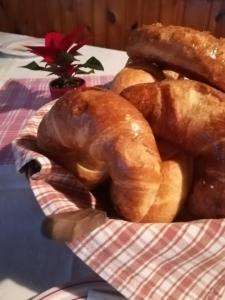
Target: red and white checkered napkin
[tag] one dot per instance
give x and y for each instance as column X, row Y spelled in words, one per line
column 142, row 261
column 19, row 98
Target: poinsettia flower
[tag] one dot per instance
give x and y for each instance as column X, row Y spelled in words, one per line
column 77, row 39
column 56, row 43
column 49, row 54
column 54, row 40
column 80, row 39
column 59, row 53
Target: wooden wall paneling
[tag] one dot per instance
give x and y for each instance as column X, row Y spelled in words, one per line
column 99, row 22
column 12, row 15
column 68, row 16
column 17, row 17
column 26, row 23
column 150, row 11
column 3, row 16
column 197, row 13
column 46, row 16
column 53, row 13
column 133, row 18
column 83, row 10
column 171, row 12
column 115, row 17
column 109, row 20
column 40, row 24
column 214, row 13
column 219, row 19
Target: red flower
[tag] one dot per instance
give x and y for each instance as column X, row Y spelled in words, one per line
column 59, row 53
column 56, row 43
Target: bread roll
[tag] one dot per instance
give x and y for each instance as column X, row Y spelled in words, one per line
column 130, row 76
column 191, row 115
column 135, row 72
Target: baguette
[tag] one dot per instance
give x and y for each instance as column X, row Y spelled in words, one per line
column 197, row 54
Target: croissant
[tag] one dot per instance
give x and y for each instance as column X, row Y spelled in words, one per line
column 177, row 171
column 96, row 133
column 190, row 115
column 197, row 54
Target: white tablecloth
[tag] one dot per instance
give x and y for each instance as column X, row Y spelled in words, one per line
column 112, row 60
column 29, row 263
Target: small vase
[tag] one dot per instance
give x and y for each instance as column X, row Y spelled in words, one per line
column 57, row 90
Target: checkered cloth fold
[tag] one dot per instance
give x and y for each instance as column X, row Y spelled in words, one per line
column 184, row 260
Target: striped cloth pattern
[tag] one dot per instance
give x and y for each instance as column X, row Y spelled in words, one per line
column 19, row 99
column 142, row 261
column 81, row 291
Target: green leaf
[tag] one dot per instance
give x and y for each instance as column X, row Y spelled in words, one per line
column 64, row 59
column 34, row 67
column 54, row 69
column 84, row 72
column 93, row 63
column 74, row 52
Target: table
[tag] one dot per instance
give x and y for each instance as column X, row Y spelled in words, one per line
column 183, row 260
column 29, row 263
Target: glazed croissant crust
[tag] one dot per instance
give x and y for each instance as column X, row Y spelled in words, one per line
column 190, row 115
column 96, row 133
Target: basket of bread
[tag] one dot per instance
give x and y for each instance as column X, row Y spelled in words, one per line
column 132, row 177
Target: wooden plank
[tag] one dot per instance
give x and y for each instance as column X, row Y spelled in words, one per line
column 83, row 12
column 83, row 9
column 45, row 16
column 38, row 22
column 217, row 18
column 4, row 20
column 214, row 12
column 41, row 17
column 110, row 20
column 52, row 8
column 133, row 18
column 220, row 22
column 68, row 15
column 99, row 22
column 171, row 12
column 196, row 14
column 151, row 11
column 11, row 10
column 115, row 16
column 26, row 22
